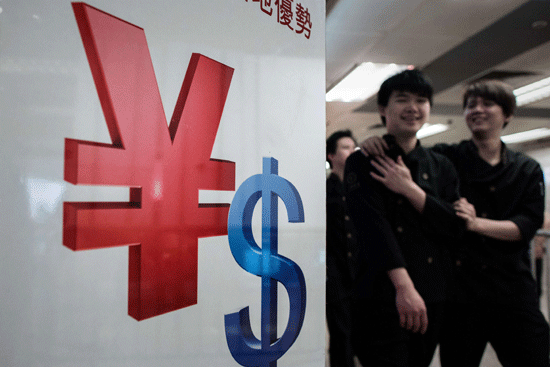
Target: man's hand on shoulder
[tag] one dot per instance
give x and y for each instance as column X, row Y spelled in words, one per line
column 375, row 146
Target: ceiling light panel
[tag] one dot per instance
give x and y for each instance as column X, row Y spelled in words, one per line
column 524, row 136
column 429, row 130
column 533, row 92
column 363, row 82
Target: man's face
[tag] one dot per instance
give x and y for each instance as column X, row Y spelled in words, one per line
column 344, row 147
column 484, row 116
column 405, row 113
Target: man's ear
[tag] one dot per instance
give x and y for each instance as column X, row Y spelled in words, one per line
column 382, row 110
column 506, row 121
column 330, row 157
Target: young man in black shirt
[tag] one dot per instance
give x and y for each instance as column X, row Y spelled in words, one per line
column 502, row 205
column 401, row 206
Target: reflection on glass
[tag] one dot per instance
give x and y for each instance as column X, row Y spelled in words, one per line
column 44, row 196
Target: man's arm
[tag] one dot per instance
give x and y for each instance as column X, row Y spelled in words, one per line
column 504, row 230
column 376, row 237
column 368, row 212
column 521, row 226
column 437, row 211
column 412, row 310
column 529, row 216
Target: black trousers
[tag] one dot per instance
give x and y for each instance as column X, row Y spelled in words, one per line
column 519, row 335
column 339, row 329
column 379, row 340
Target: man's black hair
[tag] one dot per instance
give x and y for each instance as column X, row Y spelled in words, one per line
column 412, row 81
column 332, row 141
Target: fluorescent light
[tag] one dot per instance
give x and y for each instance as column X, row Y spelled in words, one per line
column 363, row 82
column 526, row 136
column 533, row 92
column 429, row 130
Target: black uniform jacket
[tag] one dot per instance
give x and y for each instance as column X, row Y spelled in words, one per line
column 341, row 242
column 490, row 270
column 392, row 234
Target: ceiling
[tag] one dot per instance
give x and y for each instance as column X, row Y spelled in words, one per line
column 452, row 41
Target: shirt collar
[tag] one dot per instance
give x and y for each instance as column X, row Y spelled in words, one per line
column 505, row 156
column 395, row 150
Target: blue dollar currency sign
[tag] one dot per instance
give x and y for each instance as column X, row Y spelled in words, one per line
column 265, row 262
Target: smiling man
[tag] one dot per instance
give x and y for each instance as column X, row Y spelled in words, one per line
column 401, row 206
column 502, row 205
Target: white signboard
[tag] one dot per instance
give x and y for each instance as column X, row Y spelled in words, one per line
column 163, row 194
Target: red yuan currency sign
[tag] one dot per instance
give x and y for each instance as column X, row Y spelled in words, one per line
column 164, row 167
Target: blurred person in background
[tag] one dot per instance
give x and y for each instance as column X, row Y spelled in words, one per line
column 341, row 248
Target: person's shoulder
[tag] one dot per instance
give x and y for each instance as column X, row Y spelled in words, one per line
column 518, row 156
column 330, row 180
column 357, row 155
column 357, row 168
column 446, row 148
column 457, row 153
column 438, row 157
column 333, row 184
column 522, row 160
column 356, row 158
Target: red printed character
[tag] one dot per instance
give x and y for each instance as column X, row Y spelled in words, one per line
column 265, row 5
column 284, row 12
column 303, row 20
column 163, row 166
